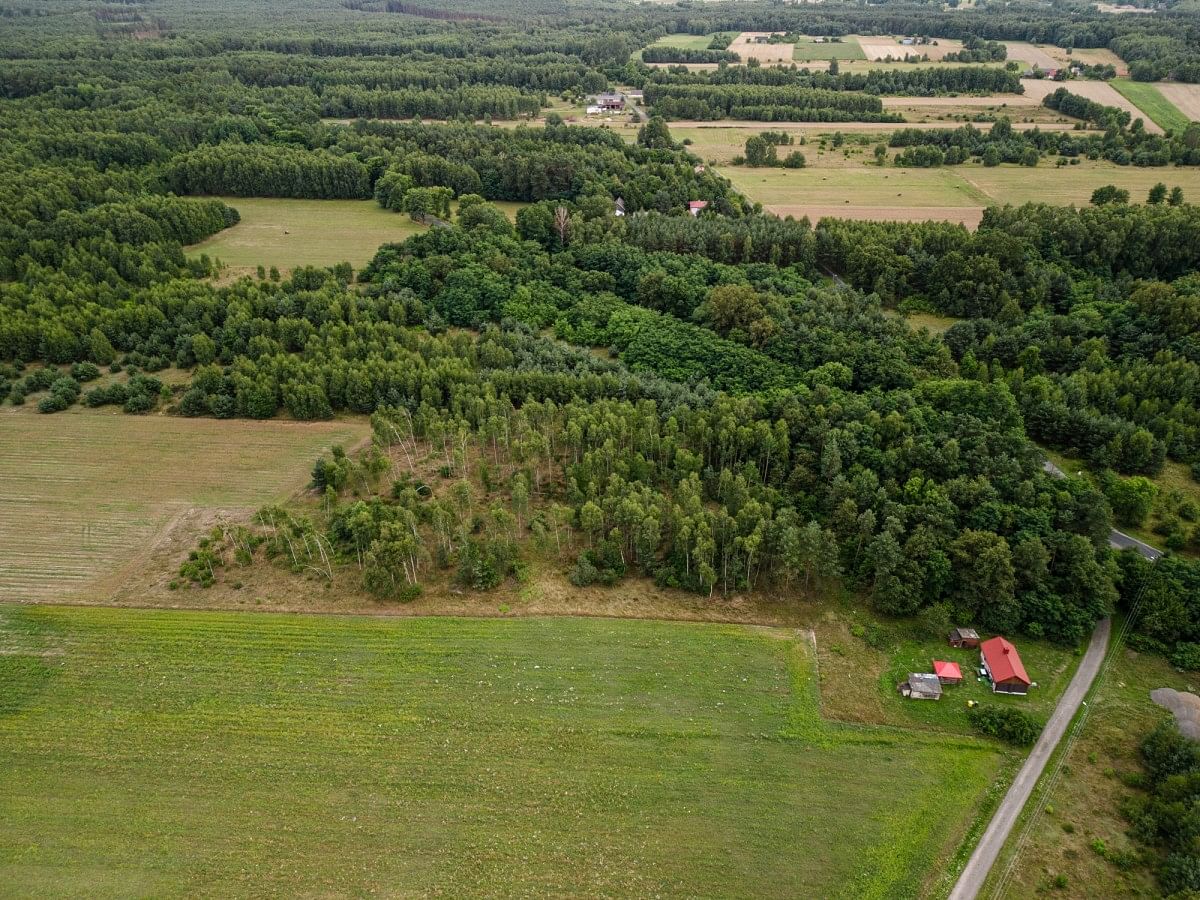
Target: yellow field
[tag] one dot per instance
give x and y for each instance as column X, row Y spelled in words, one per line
column 84, row 493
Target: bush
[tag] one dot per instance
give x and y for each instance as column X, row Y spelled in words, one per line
column 85, row 371
column 1013, row 726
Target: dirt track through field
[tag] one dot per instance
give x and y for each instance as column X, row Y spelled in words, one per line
column 1186, row 97
column 1099, row 91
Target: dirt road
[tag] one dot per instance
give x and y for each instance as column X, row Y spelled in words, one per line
column 970, row 882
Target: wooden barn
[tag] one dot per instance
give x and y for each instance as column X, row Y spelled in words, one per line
column 1002, row 664
column 921, row 686
column 964, row 637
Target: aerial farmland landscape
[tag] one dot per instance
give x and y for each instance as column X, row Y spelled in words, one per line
column 464, row 448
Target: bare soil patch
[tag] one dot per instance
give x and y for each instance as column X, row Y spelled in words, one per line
column 1186, row 97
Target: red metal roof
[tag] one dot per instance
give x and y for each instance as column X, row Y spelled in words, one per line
column 944, row 669
column 1003, row 661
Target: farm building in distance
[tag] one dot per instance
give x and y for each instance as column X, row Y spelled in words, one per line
column 921, row 686
column 964, row 637
column 1002, row 664
column 695, row 206
column 610, row 102
column 947, row 672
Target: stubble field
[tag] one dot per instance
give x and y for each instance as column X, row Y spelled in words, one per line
column 86, row 493
column 172, row 753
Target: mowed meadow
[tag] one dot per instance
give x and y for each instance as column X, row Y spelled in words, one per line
column 85, row 493
column 289, row 233
column 167, row 753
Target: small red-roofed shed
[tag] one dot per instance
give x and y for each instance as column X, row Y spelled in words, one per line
column 947, row 672
column 1003, row 666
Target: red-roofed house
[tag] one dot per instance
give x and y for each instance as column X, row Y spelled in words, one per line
column 1003, row 666
column 947, row 672
column 695, row 206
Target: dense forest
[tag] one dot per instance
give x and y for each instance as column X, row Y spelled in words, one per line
column 692, row 399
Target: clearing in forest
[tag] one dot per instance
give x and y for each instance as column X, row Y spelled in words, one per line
column 85, row 493
column 167, row 753
column 289, row 233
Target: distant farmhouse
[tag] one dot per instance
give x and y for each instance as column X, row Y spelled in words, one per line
column 610, row 102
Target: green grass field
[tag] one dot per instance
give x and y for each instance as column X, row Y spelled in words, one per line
column 1149, row 99
column 289, row 233
column 808, row 49
column 684, row 41
column 165, row 753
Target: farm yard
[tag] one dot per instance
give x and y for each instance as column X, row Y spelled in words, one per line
column 314, row 755
column 87, row 493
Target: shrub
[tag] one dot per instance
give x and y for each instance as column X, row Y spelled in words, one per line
column 1013, row 726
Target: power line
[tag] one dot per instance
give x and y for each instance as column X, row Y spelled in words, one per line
column 1114, row 649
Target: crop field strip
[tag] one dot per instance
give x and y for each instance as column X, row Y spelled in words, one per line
column 84, row 492
column 171, row 752
column 1154, row 101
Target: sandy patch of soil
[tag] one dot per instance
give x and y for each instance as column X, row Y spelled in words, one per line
column 1186, row 98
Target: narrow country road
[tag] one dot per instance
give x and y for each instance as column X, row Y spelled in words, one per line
column 1118, row 540
column 970, row 882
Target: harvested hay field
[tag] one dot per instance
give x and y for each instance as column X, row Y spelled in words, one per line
column 876, row 48
column 964, row 215
column 1074, row 184
column 1099, row 91
column 963, row 100
column 745, row 47
column 171, row 753
column 85, row 493
column 1184, row 97
column 1032, row 55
